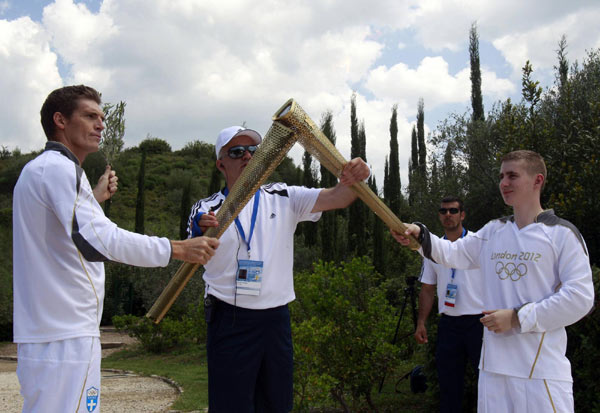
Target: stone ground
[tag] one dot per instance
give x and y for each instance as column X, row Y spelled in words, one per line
column 121, row 391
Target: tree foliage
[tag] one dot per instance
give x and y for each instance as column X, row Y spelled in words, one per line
column 393, row 192
column 476, row 96
column 421, row 138
column 342, row 328
column 357, row 214
column 141, row 199
column 114, row 130
column 154, row 145
column 328, row 223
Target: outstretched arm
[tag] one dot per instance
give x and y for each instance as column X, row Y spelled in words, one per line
column 196, row 250
column 342, row 195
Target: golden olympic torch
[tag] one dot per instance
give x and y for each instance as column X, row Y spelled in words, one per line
column 275, row 145
column 317, row 144
column 290, row 124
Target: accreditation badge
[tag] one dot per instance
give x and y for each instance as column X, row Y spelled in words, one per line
column 451, row 292
column 248, row 279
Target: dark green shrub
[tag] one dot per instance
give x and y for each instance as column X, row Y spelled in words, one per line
column 169, row 333
column 342, row 328
column 582, row 351
column 154, row 145
column 156, row 338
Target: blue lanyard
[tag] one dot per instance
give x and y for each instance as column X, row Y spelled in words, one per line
column 454, row 269
column 238, row 224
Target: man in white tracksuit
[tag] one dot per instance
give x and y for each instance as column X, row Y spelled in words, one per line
column 60, row 239
column 537, row 280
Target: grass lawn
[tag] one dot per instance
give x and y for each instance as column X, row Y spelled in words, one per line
column 187, row 366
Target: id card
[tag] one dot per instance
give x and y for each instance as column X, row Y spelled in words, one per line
column 451, row 291
column 249, row 277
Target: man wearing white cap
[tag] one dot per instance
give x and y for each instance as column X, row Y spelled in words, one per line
column 249, row 281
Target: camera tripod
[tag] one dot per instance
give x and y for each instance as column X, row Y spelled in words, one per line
column 409, row 295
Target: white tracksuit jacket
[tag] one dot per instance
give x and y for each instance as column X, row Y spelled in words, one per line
column 60, row 239
column 545, row 264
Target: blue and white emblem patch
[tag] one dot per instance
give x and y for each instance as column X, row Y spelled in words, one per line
column 91, row 400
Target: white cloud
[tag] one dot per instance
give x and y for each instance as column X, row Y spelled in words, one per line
column 446, row 23
column 189, row 68
column 431, row 81
column 494, row 87
column 539, row 43
column 28, row 72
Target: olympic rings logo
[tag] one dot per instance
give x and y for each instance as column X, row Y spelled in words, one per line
column 510, row 269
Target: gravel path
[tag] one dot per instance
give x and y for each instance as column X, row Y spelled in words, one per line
column 121, row 391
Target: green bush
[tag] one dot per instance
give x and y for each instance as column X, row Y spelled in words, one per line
column 169, row 333
column 342, row 326
column 582, row 351
column 6, row 276
column 155, row 145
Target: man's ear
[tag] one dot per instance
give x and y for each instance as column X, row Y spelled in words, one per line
column 59, row 120
column 539, row 180
column 220, row 165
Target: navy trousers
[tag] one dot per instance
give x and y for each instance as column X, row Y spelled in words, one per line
column 250, row 360
column 459, row 340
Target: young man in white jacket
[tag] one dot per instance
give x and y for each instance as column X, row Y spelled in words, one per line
column 537, row 280
column 61, row 238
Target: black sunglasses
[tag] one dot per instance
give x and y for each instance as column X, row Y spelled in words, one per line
column 453, row 211
column 236, row 152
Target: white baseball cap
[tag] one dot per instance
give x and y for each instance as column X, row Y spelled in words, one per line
column 227, row 134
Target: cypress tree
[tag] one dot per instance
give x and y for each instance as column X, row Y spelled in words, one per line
column 394, row 192
column 308, row 179
column 414, row 150
column 309, row 229
column 362, row 141
column 386, row 182
column 421, row 140
column 328, row 222
column 354, row 140
column 413, row 166
column 562, row 69
column 361, row 209
column 448, row 167
column 476, row 97
column 378, row 254
column 356, row 212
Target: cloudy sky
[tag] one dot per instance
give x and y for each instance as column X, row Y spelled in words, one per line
column 188, row 68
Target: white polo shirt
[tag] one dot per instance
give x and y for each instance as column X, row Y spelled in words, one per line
column 60, row 238
column 469, row 297
column 281, row 208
